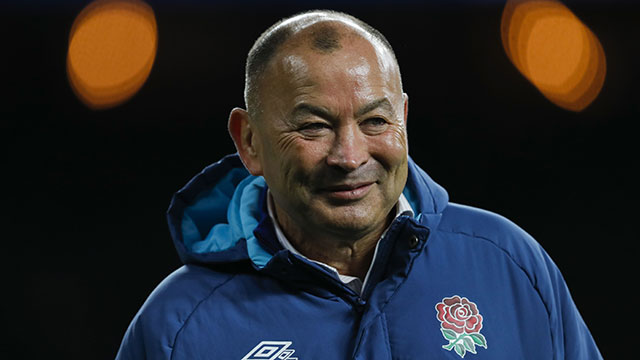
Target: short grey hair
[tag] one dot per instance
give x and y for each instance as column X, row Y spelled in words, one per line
column 325, row 39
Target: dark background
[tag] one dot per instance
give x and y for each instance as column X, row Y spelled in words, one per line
column 85, row 192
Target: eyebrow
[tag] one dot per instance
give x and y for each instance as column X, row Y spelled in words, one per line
column 383, row 103
column 305, row 108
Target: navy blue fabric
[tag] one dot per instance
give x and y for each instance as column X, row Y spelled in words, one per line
column 264, row 232
column 222, row 304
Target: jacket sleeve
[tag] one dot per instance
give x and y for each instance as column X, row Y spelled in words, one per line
column 147, row 337
column 155, row 329
column 570, row 335
column 132, row 346
column 152, row 332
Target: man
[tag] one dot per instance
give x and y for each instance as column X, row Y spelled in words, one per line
column 321, row 239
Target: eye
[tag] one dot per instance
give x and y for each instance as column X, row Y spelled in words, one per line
column 314, row 128
column 374, row 125
column 375, row 121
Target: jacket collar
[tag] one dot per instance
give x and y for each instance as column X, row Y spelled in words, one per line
column 212, row 219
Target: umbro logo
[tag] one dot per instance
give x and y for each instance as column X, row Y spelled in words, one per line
column 271, row 350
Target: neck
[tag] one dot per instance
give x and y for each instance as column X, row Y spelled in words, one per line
column 350, row 253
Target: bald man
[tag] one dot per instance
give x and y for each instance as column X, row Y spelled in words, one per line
column 321, row 239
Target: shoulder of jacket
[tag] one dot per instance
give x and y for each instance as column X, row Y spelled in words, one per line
column 481, row 225
column 176, row 298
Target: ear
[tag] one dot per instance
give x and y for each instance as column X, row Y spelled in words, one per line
column 405, row 98
column 246, row 140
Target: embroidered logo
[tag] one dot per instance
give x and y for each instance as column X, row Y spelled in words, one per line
column 271, row 350
column 460, row 323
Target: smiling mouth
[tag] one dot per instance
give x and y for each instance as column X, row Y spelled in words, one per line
column 349, row 192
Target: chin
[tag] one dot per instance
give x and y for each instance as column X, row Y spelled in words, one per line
column 350, row 221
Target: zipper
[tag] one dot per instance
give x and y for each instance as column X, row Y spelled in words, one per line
column 382, row 253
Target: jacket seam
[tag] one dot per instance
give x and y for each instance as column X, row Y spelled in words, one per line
column 492, row 242
column 175, row 339
column 385, row 332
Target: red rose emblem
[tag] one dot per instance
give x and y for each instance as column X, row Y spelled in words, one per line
column 459, row 314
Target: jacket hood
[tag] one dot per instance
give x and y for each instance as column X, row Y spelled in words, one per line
column 213, row 217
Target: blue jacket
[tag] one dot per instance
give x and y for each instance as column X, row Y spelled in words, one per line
column 451, row 282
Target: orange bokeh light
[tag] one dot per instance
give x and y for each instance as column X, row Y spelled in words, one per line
column 112, row 47
column 554, row 50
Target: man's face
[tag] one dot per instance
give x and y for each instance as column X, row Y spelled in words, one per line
column 331, row 136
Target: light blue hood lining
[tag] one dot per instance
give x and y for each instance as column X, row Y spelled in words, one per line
column 229, row 212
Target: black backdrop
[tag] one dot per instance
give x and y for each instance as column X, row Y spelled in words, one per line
column 84, row 232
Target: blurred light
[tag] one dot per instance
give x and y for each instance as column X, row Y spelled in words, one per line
column 112, row 47
column 554, row 50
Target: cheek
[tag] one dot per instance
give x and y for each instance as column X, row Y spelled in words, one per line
column 298, row 157
column 307, row 159
column 390, row 148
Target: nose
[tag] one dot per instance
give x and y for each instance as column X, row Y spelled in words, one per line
column 349, row 150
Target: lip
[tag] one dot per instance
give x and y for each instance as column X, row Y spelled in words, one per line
column 350, row 192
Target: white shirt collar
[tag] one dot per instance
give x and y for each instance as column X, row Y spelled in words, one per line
column 402, row 208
